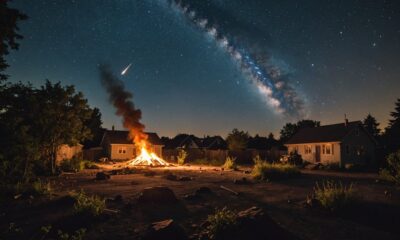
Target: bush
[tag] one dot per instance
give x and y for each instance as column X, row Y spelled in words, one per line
column 271, row 171
column 295, row 159
column 182, row 155
column 84, row 204
column 77, row 235
column 74, row 164
column 392, row 172
column 37, row 188
column 335, row 196
column 221, row 221
column 230, row 163
column 90, row 165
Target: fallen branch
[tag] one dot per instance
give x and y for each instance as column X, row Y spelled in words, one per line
column 229, row 190
column 111, row 210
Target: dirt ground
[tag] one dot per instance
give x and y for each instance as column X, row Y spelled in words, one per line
column 377, row 216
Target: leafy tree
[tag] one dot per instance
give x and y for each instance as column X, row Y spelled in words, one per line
column 94, row 123
column 35, row 122
column 289, row 129
column 372, row 126
column 392, row 132
column 8, row 33
column 237, row 140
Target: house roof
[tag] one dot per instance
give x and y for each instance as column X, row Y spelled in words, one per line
column 215, row 142
column 183, row 141
column 327, row 133
column 122, row 137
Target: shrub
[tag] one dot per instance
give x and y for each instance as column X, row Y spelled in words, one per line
column 335, row 196
column 182, row 155
column 270, row 171
column 294, row 158
column 219, row 222
column 74, row 164
column 84, row 204
column 90, row 165
column 392, row 172
column 77, row 235
column 230, row 163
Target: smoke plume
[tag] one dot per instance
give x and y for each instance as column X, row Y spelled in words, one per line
column 122, row 101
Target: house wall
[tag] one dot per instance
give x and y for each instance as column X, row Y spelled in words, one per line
column 116, row 151
column 325, row 158
column 358, row 148
column 122, row 151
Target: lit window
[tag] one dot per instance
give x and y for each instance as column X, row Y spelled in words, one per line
column 323, row 149
column 328, row 149
column 307, row 149
column 122, row 150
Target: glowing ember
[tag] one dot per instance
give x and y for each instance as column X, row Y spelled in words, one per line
column 147, row 158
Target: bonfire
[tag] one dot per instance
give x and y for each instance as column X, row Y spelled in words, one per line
column 147, row 158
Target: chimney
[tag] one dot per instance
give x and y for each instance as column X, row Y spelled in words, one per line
column 112, row 128
column 346, row 121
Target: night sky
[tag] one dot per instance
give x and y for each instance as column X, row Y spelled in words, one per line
column 336, row 57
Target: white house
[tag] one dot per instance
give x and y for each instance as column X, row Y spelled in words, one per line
column 341, row 143
column 117, row 145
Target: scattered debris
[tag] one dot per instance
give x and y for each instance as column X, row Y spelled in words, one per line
column 149, row 174
column 229, row 190
column 157, row 195
column 185, row 178
column 102, row 176
column 171, row 177
column 247, row 172
column 203, row 190
column 192, row 197
column 166, row 229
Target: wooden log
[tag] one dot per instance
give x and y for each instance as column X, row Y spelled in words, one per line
column 229, row 190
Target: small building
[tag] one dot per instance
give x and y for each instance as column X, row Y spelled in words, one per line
column 213, row 143
column 343, row 143
column 117, row 145
column 67, row 152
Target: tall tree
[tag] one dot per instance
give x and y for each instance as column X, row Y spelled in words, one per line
column 392, row 132
column 9, row 35
column 371, row 125
column 237, row 140
column 289, row 129
column 94, row 123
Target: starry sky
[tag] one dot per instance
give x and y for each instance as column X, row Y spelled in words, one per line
column 338, row 56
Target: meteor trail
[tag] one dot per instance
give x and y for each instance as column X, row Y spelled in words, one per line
column 126, row 69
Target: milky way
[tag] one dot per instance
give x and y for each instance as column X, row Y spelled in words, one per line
column 256, row 65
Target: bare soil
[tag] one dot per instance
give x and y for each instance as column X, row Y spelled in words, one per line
column 377, row 216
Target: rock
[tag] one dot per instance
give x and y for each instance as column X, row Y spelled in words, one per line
column 157, row 195
column 203, row 190
column 185, row 178
column 149, row 174
column 192, row 197
column 171, row 177
column 247, row 172
column 102, row 176
column 118, row 198
column 166, row 229
column 241, row 181
column 312, row 202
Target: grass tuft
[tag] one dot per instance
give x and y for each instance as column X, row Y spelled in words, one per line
column 230, row 163
column 219, row 222
column 335, row 196
column 84, row 204
column 272, row 171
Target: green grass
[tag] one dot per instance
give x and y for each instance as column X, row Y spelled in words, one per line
column 392, row 171
column 273, row 171
column 219, row 222
column 85, row 204
column 230, row 163
column 182, row 155
column 335, row 196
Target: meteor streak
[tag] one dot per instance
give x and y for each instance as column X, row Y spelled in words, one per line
column 126, row 69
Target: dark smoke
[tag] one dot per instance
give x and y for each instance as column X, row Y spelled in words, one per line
column 122, row 101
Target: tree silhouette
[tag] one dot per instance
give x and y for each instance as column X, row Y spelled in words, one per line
column 237, row 140
column 371, row 125
column 392, row 131
column 289, row 129
column 8, row 33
